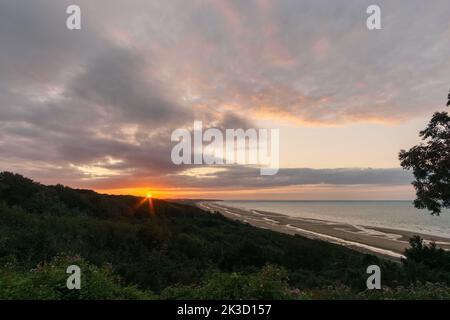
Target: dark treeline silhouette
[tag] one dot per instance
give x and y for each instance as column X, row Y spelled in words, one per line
column 430, row 162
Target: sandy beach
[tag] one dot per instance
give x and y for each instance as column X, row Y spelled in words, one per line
column 385, row 242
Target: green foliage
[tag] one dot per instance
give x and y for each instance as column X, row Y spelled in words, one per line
column 429, row 255
column 175, row 250
column 268, row 284
column 415, row 291
column 426, row 263
column 48, row 282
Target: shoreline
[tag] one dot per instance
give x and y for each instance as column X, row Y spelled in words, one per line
column 385, row 242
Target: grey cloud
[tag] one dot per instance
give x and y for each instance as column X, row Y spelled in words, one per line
column 118, row 82
column 248, row 177
column 139, row 69
column 245, row 177
column 37, row 49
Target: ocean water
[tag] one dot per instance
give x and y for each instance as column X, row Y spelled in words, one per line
column 391, row 214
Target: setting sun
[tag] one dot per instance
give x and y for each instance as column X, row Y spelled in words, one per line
column 149, row 195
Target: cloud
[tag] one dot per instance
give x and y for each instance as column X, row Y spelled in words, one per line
column 121, row 83
column 247, row 177
column 70, row 101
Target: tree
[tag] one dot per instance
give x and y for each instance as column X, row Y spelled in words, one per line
column 428, row 255
column 430, row 162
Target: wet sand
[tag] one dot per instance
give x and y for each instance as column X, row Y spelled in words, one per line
column 385, row 242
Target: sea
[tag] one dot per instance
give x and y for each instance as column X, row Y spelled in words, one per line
column 399, row 215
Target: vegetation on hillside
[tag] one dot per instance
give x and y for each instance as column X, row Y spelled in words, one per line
column 133, row 248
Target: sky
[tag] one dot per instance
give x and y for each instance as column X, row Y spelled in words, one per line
column 95, row 108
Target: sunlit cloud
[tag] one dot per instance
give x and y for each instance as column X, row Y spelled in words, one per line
column 96, row 108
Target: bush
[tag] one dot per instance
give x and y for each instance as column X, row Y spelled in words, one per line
column 268, row 284
column 48, row 281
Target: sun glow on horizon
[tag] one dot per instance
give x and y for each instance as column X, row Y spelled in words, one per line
column 305, row 192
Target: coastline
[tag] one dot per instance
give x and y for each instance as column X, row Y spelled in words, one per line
column 384, row 242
